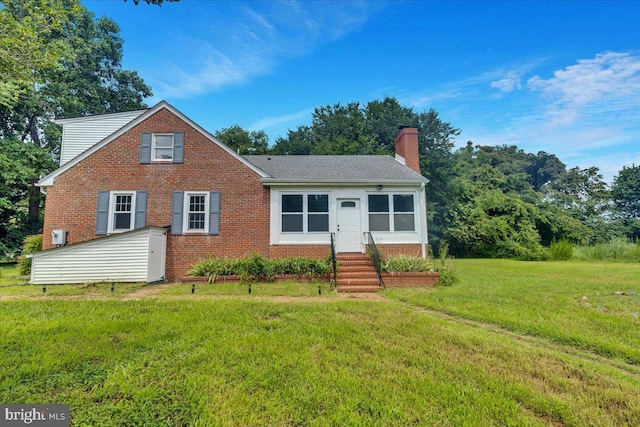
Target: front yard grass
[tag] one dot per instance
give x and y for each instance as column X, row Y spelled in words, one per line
column 292, row 289
column 573, row 303
column 9, row 275
column 256, row 360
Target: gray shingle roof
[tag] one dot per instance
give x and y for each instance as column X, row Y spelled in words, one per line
column 372, row 168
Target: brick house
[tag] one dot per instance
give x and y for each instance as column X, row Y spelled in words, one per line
column 151, row 189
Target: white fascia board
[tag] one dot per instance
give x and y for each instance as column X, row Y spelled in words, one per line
column 47, row 181
column 268, row 182
column 108, row 237
column 98, row 117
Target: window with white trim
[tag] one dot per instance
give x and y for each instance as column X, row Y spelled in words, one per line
column 196, row 212
column 121, row 215
column 391, row 212
column 304, row 213
column 162, row 147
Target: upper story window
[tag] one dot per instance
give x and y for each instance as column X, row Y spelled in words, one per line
column 305, row 213
column 391, row 212
column 162, row 147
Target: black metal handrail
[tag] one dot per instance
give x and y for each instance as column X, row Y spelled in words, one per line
column 334, row 260
column 374, row 254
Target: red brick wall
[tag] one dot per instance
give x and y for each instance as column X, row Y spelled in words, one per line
column 244, row 217
column 311, row 251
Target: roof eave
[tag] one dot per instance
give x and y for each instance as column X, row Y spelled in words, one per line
column 341, row 183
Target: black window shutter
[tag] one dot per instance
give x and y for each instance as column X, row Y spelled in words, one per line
column 102, row 215
column 176, row 212
column 178, row 147
column 140, row 219
column 145, row 148
column 214, row 212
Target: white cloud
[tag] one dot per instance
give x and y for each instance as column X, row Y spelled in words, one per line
column 274, row 122
column 251, row 40
column 505, row 79
column 508, row 84
column 608, row 83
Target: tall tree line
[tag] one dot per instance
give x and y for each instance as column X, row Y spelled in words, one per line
column 57, row 60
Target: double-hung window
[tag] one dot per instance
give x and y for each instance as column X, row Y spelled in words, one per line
column 196, row 212
column 391, row 212
column 305, row 213
column 162, row 150
column 121, row 217
column 161, row 147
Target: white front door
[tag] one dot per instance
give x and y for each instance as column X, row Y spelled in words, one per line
column 348, row 226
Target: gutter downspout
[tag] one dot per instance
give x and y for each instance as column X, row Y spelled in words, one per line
column 425, row 232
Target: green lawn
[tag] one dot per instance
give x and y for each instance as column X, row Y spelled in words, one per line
column 574, row 303
column 9, row 275
column 257, row 289
column 203, row 360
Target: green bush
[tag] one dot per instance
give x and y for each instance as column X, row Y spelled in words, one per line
column 30, row 245
column 257, row 268
column 405, row 264
column 617, row 249
column 212, row 267
column 444, row 265
column 301, row 266
column 560, row 251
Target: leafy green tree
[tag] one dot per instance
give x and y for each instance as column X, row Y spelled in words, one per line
column 297, row 142
column 341, row 129
column 243, row 141
column 382, row 119
column 584, row 195
column 87, row 79
column 493, row 209
column 626, row 192
column 20, row 166
column 58, row 61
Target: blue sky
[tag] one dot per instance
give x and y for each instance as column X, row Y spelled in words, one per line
column 561, row 77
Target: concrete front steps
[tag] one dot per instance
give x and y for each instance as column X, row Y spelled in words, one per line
column 356, row 273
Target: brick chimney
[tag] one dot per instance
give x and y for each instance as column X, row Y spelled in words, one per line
column 406, row 146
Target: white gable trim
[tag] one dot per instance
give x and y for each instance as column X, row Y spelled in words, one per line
column 48, row 180
column 98, row 117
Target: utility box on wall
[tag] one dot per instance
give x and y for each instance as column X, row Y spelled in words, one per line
column 59, row 237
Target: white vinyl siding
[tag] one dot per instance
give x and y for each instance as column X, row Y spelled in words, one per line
column 119, row 258
column 82, row 133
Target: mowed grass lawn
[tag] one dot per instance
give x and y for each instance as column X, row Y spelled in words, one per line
column 460, row 355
